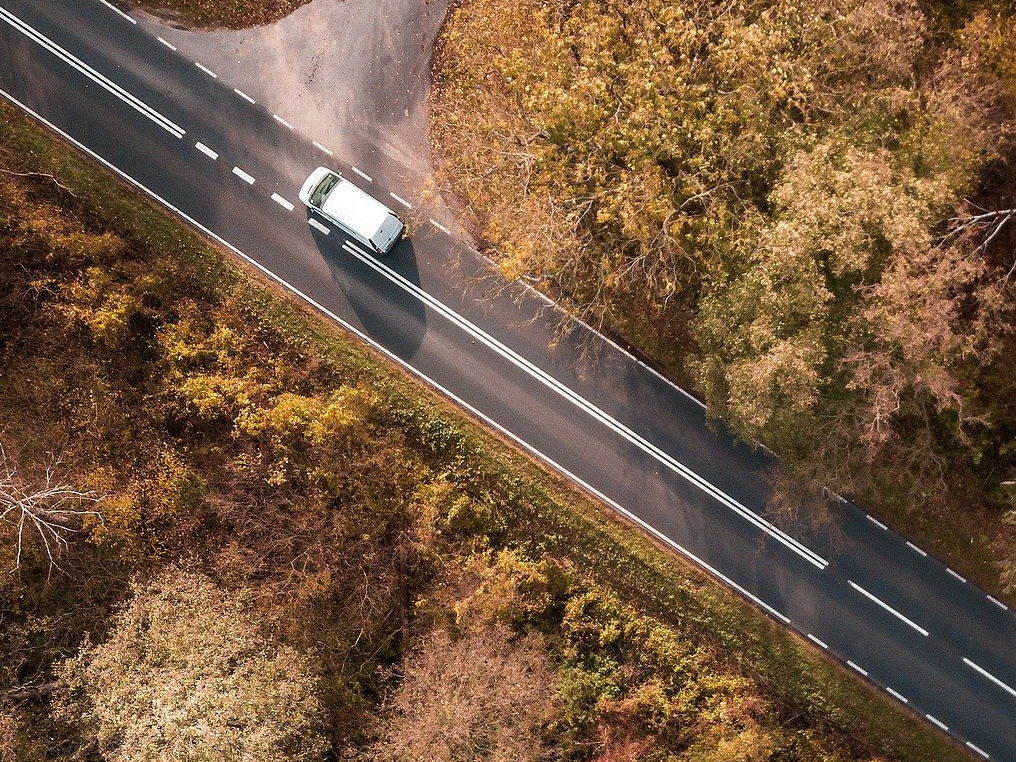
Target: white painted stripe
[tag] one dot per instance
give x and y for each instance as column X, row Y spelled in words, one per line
column 381, row 349
column 206, row 70
column 583, row 404
column 887, row 607
column 401, row 200
column 361, row 173
column 957, row 576
column 915, row 548
column 322, row 148
column 816, row 640
column 282, row 202
column 997, row 602
column 282, row 121
column 440, row 227
column 900, row 696
column 876, row 522
column 244, row 95
column 937, row 722
column 117, row 10
column 206, row 151
column 862, row 671
column 243, row 175
column 1007, row 688
column 167, row 43
column 318, row 226
column 134, row 102
column 979, row 750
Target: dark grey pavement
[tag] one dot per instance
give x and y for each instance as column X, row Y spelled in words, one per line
column 893, row 614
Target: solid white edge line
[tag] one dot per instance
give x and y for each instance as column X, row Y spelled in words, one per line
column 243, row 176
column 286, row 204
column 979, row 750
column 320, row 227
column 897, row 694
column 322, row 148
column 960, row 577
column 282, row 121
column 937, row 722
column 439, row 226
column 206, row 151
column 887, row 607
column 405, row 365
column 915, row 548
column 816, row 640
column 401, row 200
column 167, row 43
column 117, row 10
column 876, row 522
column 859, row 669
column 244, row 95
column 976, row 667
column 361, row 173
column 997, row 602
column 206, row 70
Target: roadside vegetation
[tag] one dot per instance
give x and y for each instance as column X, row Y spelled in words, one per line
column 250, row 539
column 227, row 14
column 804, row 211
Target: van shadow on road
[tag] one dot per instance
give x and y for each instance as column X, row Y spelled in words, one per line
column 384, row 310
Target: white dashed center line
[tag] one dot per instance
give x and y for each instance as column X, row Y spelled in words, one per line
column 206, row 70
column 288, row 205
column 282, row 121
column 206, row 151
column 244, row 95
column 167, row 43
column 887, row 607
column 318, row 226
column 401, row 201
column 362, row 174
column 1007, row 688
column 117, row 10
column 243, row 175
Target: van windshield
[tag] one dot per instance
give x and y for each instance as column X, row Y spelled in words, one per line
column 317, row 198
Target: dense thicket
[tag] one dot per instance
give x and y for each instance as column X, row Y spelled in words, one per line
column 788, row 204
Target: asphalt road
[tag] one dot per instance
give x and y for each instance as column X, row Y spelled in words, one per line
column 882, row 606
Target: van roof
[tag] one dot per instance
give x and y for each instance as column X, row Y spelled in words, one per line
column 357, row 211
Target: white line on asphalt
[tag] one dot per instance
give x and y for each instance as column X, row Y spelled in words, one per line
column 583, row 404
column 318, row 226
column 381, row 349
column 862, row 671
column 900, row 696
column 243, row 175
column 322, row 148
column 282, row 202
column 957, row 576
column 136, row 103
column 244, row 95
column 206, row 70
column 937, row 722
column 997, row 602
column 361, row 173
column 876, row 522
column 439, row 226
column 114, row 8
column 915, row 548
column 206, row 151
column 167, row 43
column 282, row 121
column 979, row 750
column 887, row 607
column 1007, row 688
column 401, row 201
column 816, row 640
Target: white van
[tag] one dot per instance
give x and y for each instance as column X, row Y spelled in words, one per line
column 364, row 218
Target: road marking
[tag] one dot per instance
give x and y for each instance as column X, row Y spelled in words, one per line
column 206, row 151
column 363, row 174
column 876, row 522
column 900, row 696
column 980, row 751
column 997, row 602
column 243, row 175
column 382, row 350
column 318, row 226
column 816, row 640
column 206, row 70
column 439, row 226
column 1007, row 688
column 583, row 404
column 937, row 722
column 862, row 671
column 282, row 202
column 957, row 576
column 282, row 121
column 244, row 95
column 915, row 548
column 167, row 43
column 401, row 201
column 117, row 10
column 322, row 148
column 136, row 103
column 887, row 607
